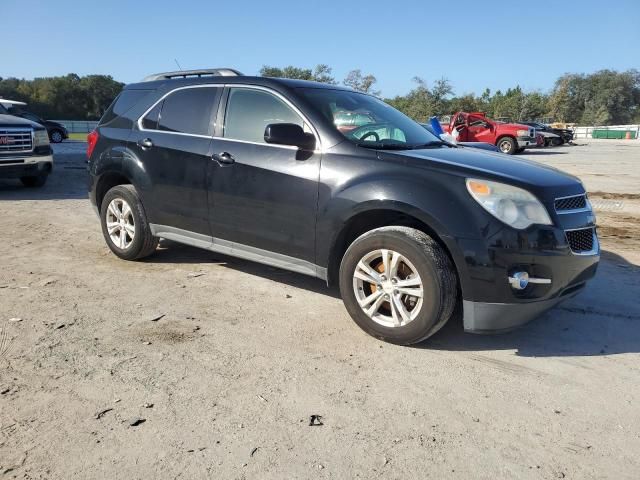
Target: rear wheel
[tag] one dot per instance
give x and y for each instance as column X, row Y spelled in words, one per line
column 124, row 224
column 398, row 284
column 507, row 145
column 34, row 181
column 56, row 136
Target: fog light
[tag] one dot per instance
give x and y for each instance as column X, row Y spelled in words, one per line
column 519, row 280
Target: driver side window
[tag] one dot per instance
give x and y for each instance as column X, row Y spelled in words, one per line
column 249, row 111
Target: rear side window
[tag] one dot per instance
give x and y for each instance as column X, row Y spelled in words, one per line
column 123, row 103
column 188, row 111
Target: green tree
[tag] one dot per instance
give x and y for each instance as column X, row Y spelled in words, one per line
column 321, row 73
column 361, row 83
column 66, row 97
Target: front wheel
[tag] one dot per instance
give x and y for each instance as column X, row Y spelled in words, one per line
column 507, row 145
column 124, row 224
column 398, row 284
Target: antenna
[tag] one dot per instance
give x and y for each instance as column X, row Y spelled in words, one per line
column 176, row 60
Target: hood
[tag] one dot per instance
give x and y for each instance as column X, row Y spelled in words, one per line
column 17, row 122
column 471, row 162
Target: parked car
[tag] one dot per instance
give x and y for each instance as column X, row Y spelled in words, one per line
column 564, row 135
column 25, row 152
column 510, row 138
column 407, row 225
column 56, row 131
column 481, row 145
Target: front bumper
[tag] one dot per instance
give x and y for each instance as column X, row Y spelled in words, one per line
column 17, row 167
column 491, row 303
column 482, row 317
column 524, row 142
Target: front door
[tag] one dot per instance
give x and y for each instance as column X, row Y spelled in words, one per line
column 262, row 195
column 479, row 130
column 174, row 142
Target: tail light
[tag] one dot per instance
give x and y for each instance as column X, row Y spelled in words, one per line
column 92, row 139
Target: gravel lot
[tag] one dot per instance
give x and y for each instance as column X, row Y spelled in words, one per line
column 226, row 360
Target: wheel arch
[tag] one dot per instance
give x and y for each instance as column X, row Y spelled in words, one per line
column 506, row 135
column 118, row 166
column 106, row 182
column 393, row 213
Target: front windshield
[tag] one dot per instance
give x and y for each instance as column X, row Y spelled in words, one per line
column 368, row 121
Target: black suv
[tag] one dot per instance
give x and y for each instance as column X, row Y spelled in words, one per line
column 406, row 224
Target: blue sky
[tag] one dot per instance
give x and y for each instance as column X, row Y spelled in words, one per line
column 476, row 44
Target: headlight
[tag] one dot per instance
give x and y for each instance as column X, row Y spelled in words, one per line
column 523, row 133
column 512, row 205
column 40, row 138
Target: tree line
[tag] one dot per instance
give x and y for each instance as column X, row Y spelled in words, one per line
column 605, row 97
column 68, row 97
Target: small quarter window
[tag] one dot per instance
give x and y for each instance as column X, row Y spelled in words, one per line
column 150, row 121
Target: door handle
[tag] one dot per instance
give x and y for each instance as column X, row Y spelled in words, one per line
column 145, row 143
column 223, row 157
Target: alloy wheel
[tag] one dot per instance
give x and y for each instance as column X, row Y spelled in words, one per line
column 388, row 288
column 120, row 223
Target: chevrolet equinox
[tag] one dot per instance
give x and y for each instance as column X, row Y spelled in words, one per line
column 406, row 224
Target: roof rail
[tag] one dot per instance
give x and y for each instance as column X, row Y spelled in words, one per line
column 210, row 72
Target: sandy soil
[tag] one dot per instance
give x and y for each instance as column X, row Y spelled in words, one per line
column 195, row 365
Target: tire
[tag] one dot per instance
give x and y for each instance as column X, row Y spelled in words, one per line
column 56, row 136
column 132, row 224
column 418, row 255
column 35, row 181
column 507, row 145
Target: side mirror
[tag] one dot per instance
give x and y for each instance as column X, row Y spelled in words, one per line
column 289, row 134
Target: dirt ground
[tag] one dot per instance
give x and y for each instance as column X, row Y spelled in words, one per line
column 196, row 365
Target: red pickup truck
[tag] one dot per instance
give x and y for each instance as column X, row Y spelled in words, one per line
column 510, row 138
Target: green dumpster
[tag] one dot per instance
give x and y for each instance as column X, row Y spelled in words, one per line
column 613, row 134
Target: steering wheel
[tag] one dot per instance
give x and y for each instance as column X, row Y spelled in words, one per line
column 368, row 130
column 370, row 134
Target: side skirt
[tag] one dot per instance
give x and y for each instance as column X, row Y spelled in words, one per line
column 239, row 250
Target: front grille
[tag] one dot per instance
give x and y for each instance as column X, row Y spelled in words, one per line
column 15, row 140
column 571, row 203
column 581, row 240
column 11, row 161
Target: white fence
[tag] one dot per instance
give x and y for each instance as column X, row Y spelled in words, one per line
column 587, row 132
column 78, row 126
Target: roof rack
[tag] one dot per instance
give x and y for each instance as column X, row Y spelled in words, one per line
column 210, row 72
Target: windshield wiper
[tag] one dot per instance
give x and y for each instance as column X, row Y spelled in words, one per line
column 433, row 143
column 385, row 146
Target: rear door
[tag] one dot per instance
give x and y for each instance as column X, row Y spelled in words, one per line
column 173, row 140
column 267, row 197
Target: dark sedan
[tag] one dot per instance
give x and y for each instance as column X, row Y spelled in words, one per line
column 565, row 134
column 56, row 131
